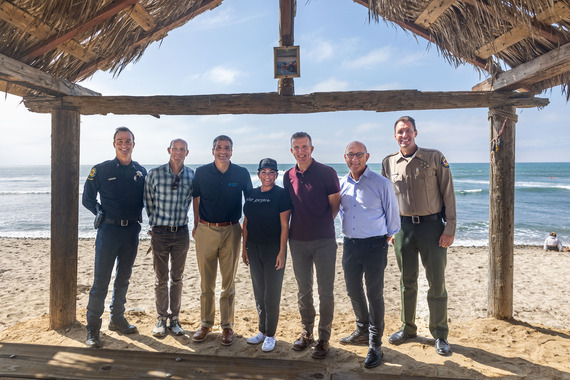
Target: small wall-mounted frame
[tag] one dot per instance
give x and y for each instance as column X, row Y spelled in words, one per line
column 286, row 62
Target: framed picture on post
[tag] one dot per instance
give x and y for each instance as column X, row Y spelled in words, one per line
column 286, row 62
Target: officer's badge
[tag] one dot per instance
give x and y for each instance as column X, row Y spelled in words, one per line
column 92, row 174
column 138, row 174
column 444, row 162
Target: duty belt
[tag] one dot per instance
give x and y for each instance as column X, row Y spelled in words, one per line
column 417, row 219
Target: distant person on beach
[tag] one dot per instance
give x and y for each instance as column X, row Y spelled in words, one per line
column 167, row 196
column 267, row 210
column 552, row 243
column 120, row 184
column 217, row 192
column 370, row 217
column 315, row 192
column 424, row 189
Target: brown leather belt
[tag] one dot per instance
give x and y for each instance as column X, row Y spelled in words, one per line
column 221, row 224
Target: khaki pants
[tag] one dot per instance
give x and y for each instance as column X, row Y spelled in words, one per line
column 215, row 244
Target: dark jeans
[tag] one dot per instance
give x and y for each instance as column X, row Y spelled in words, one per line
column 267, row 284
column 422, row 238
column 168, row 245
column 368, row 258
column 113, row 244
column 322, row 255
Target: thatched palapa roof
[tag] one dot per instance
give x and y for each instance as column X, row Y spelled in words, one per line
column 71, row 40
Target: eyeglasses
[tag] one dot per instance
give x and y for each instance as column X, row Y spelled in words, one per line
column 175, row 183
column 358, row 155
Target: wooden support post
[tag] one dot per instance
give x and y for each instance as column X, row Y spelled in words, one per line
column 286, row 86
column 501, row 212
column 64, row 216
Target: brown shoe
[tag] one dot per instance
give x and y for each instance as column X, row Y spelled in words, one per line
column 227, row 336
column 303, row 342
column 201, row 334
column 321, row 350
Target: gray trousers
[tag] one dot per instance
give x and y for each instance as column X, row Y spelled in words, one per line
column 320, row 254
column 169, row 246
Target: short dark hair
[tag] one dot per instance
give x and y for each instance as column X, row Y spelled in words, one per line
column 123, row 129
column 223, row 138
column 300, row 135
column 406, row 119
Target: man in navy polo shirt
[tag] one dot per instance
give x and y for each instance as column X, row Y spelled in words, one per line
column 315, row 191
column 217, row 192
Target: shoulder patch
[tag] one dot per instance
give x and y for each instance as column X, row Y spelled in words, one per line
column 444, row 162
column 92, row 174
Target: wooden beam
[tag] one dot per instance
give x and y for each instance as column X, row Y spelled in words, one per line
column 432, row 12
column 272, row 103
column 501, row 212
column 13, row 89
column 156, row 35
column 546, row 66
column 58, row 39
column 552, row 15
column 29, row 24
column 286, row 86
column 64, row 217
column 20, row 74
column 142, row 17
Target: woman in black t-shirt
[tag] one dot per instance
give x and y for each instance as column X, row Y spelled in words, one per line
column 267, row 210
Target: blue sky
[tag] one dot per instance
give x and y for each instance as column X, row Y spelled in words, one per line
column 230, row 50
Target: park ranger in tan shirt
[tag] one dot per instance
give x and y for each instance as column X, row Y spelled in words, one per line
column 426, row 199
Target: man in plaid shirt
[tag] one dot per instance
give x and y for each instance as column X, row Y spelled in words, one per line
column 167, row 196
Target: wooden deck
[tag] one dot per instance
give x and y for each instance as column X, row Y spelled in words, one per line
column 26, row 361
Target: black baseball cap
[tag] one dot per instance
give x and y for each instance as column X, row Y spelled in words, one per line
column 268, row 163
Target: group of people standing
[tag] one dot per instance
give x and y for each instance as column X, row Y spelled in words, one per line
column 411, row 204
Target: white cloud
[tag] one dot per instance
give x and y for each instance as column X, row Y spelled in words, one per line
column 374, row 58
column 331, row 84
column 223, row 75
column 321, row 51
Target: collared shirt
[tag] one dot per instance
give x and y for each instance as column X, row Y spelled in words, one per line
column 221, row 193
column 120, row 189
column 368, row 207
column 166, row 206
column 423, row 184
column 309, row 191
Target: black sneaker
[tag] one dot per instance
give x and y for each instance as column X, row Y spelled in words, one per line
column 93, row 340
column 160, row 329
column 175, row 327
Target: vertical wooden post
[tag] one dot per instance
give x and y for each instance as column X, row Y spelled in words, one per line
column 501, row 212
column 286, row 86
column 64, row 216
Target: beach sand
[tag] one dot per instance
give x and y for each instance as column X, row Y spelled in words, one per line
column 534, row 345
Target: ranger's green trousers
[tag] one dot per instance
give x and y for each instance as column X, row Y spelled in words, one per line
column 423, row 238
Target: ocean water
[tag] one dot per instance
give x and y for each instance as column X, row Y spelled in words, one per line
column 542, row 201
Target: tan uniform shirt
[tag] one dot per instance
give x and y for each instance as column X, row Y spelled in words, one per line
column 423, row 184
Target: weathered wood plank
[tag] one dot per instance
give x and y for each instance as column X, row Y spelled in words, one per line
column 18, row 73
column 286, row 86
column 142, row 17
column 551, row 64
column 501, row 212
column 432, row 12
column 51, row 362
column 272, row 103
column 64, row 217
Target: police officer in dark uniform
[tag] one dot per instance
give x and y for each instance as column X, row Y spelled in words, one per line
column 120, row 184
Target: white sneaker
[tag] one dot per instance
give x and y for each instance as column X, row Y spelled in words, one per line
column 175, row 326
column 268, row 344
column 160, row 329
column 256, row 339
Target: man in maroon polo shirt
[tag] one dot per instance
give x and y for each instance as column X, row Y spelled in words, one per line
column 315, row 191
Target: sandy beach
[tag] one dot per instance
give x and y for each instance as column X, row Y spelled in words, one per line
column 534, row 345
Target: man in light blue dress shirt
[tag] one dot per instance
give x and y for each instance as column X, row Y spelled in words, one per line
column 370, row 216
